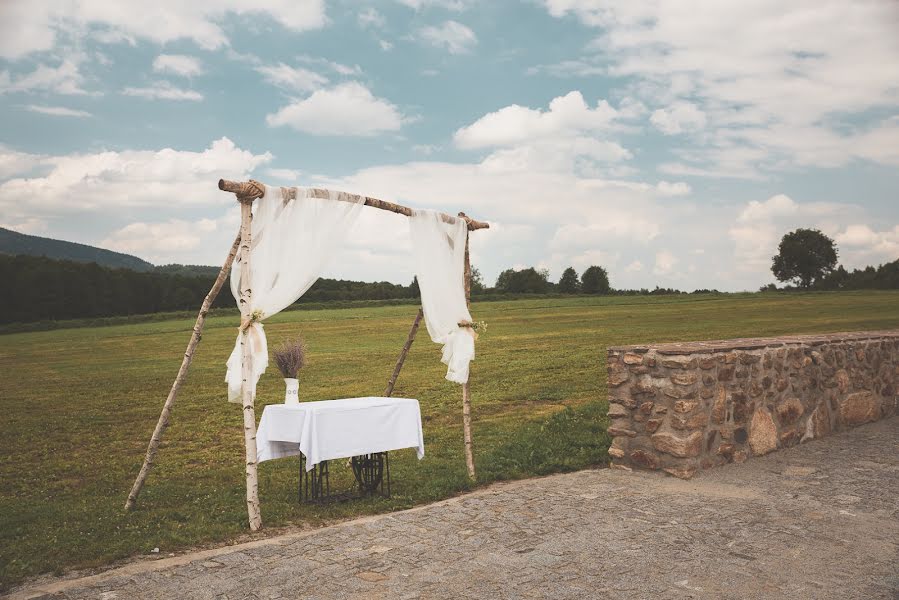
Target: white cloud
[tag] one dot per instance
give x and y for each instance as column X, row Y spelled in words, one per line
column 385, row 45
column 30, row 225
column 33, row 25
column 57, row 111
column 618, row 224
column 66, row 78
column 760, row 75
column 673, row 189
column 339, row 68
column 452, row 35
column 284, row 174
column 570, row 135
column 163, row 90
column 349, row 109
column 665, row 263
column 13, row 162
column 682, row 117
column 156, row 241
column 634, row 267
column 84, row 184
column 860, row 245
column 178, row 64
column 296, row 79
column 568, row 114
column 370, row 18
column 452, row 5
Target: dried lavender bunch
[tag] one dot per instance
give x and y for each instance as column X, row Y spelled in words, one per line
column 290, row 358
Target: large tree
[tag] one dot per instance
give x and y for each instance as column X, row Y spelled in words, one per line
column 569, row 283
column 595, row 280
column 804, row 256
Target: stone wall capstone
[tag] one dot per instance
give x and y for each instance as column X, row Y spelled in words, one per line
column 688, row 406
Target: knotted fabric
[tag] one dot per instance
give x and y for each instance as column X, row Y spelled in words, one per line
column 294, row 237
column 439, row 250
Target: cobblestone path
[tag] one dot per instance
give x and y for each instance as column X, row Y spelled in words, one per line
column 816, row 521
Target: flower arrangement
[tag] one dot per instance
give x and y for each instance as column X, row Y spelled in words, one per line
column 290, row 357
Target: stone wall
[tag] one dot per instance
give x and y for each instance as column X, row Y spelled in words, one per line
column 683, row 407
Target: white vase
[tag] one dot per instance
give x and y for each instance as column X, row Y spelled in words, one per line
column 291, row 394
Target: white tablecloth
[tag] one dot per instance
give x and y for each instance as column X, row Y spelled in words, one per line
column 339, row 429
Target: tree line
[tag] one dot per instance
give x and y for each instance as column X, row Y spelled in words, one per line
column 43, row 289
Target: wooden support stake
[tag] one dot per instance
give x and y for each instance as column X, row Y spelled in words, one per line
column 163, row 422
column 402, row 357
column 466, row 389
column 246, row 365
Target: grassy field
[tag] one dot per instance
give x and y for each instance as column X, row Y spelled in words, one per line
column 79, row 405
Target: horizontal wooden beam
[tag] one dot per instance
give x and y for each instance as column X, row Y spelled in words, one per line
column 247, row 191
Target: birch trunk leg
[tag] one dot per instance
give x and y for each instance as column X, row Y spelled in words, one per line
column 246, row 368
column 163, row 422
column 402, row 357
column 466, row 390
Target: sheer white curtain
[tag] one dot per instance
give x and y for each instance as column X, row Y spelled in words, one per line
column 293, row 240
column 439, row 250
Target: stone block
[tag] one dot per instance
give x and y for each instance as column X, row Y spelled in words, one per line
column 679, row 392
column 789, row 410
column 688, row 378
column 652, row 425
column 681, row 447
column 618, row 410
column 762, row 432
column 683, row 406
column 647, row 460
column 631, row 358
column 858, row 408
column 697, row 421
column 619, row 431
column 719, row 408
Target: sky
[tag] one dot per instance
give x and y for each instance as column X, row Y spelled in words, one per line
column 672, row 142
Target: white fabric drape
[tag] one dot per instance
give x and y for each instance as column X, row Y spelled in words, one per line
column 439, row 250
column 293, row 240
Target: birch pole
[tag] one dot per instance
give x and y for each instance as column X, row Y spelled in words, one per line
column 246, row 364
column 163, row 422
column 402, row 358
column 466, row 389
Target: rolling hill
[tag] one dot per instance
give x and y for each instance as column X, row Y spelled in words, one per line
column 14, row 243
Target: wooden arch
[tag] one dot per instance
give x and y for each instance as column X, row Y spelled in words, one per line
column 247, row 192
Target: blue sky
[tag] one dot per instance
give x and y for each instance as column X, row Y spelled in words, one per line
column 671, row 142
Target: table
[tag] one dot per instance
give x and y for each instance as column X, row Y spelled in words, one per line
column 329, row 429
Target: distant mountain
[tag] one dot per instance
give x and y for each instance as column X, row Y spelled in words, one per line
column 13, row 243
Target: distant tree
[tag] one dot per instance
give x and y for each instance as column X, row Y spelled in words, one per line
column 413, row 287
column 503, row 280
column 804, row 256
column 524, row 281
column 595, row 280
column 477, row 281
column 569, row 282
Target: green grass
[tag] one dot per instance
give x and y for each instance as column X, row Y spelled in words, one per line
column 79, row 405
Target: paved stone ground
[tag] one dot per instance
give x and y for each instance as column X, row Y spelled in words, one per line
column 816, row 521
